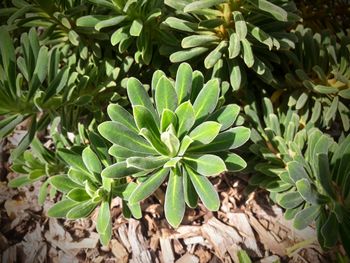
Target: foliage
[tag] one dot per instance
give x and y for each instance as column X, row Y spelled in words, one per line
column 306, row 172
column 321, row 67
column 233, row 36
column 182, row 135
column 67, row 66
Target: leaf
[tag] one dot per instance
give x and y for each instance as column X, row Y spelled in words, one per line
column 187, row 54
column 174, row 205
column 78, row 195
column 325, row 89
column 62, row 183
column 205, row 132
column 207, row 164
column 165, row 95
column 7, row 125
column 185, row 143
column 43, row 192
column 144, row 119
column 78, row 176
column 228, row 140
column 123, row 153
column 72, row 159
column 306, row 216
column 171, row 141
column 296, row 171
column 233, row 162
column 119, row 114
column 207, row 100
column 119, row 170
column 213, row 57
column 19, row 181
column 243, row 257
column 277, row 12
column 138, row 96
column 289, row 199
column 120, row 135
column 330, row 231
column 61, row 208
column 186, row 118
column 168, row 117
column 248, row 55
column 330, row 113
column 198, row 40
column 324, row 175
column 109, row 22
column 190, row 194
column 82, row 210
column 147, row 188
column 136, row 27
column 226, row 116
column 240, row 25
column 90, row 20
column 146, row 163
column 91, row 160
column 201, row 4
column 205, row 190
column 301, row 101
column 236, row 74
column 234, row 47
column 183, row 82
column 306, row 191
column 103, row 217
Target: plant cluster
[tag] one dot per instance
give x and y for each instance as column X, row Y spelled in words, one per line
column 113, row 108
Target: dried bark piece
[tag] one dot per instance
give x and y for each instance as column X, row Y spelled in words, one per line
column 167, row 251
column 188, row 258
column 120, row 253
column 140, row 253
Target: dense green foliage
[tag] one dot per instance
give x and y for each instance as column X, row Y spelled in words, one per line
column 109, row 83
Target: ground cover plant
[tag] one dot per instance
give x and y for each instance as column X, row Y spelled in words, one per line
column 137, row 95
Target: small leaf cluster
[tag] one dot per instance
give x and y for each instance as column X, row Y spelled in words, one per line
column 320, row 83
column 84, row 189
column 305, row 171
column 181, row 135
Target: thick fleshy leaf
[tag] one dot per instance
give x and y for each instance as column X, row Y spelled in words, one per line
column 248, row 55
column 290, row 199
column 198, row 40
column 207, row 100
column 198, row 5
column 146, row 163
column 138, row 96
column 296, row 171
column 119, row 170
column 230, row 139
column 165, row 95
column 306, row 216
column 191, row 196
column 213, row 57
column 183, row 83
column 63, row 183
column 205, row 190
column 78, row 195
column 187, row 54
column 144, row 119
column 136, row 27
column 186, row 118
column 234, row 47
column 103, row 218
column 122, row 152
column 330, row 231
column 185, row 143
column 174, row 205
column 168, row 117
column 73, row 159
column 205, row 132
column 234, row 162
column 19, row 181
column 91, row 160
column 78, row 176
column 306, row 191
column 82, row 210
column 207, row 164
column 61, row 208
column 109, row 22
column 120, row 135
column 171, row 141
column 119, row 114
column 148, row 187
column 240, row 25
column 277, row 12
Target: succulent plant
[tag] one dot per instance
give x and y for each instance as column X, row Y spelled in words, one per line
column 84, row 189
column 233, row 36
column 320, row 84
column 181, row 134
column 132, row 22
column 306, row 172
